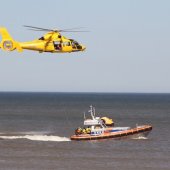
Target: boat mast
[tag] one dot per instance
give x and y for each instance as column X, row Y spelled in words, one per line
column 92, row 112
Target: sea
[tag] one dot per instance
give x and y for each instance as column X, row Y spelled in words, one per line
column 35, row 130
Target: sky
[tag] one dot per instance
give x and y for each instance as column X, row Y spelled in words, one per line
column 127, row 46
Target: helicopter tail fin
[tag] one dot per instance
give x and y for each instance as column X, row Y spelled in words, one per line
column 8, row 43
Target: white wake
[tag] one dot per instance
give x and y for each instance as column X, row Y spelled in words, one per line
column 140, row 137
column 38, row 138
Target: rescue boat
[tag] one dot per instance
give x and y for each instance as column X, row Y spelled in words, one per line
column 97, row 128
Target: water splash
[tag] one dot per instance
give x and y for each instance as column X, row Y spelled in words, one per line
column 38, row 138
column 140, row 137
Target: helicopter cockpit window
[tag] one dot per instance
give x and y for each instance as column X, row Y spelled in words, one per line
column 75, row 45
column 66, row 44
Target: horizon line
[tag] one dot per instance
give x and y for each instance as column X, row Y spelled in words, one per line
column 86, row 92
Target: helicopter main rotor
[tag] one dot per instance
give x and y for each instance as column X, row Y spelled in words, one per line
column 54, row 30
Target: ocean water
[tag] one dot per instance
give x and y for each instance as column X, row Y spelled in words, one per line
column 35, row 130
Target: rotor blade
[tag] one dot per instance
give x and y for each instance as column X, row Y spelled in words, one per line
column 73, row 31
column 75, row 28
column 54, row 30
column 38, row 28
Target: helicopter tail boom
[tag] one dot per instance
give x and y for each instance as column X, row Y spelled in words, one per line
column 8, row 43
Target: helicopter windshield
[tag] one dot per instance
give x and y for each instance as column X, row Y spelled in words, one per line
column 75, row 44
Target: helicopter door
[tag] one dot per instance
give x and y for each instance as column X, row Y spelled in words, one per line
column 57, row 45
column 66, row 46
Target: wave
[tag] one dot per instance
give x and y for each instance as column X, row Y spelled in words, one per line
column 38, row 138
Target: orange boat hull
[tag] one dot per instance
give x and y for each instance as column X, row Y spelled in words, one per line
column 145, row 129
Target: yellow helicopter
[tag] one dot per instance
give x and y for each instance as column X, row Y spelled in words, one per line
column 52, row 41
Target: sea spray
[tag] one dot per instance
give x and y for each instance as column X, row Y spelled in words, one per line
column 38, row 138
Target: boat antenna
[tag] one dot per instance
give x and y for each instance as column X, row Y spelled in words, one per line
column 84, row 116
column 94, row 111
column 91, row 111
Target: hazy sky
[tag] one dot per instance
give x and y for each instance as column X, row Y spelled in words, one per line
column 127, row 46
